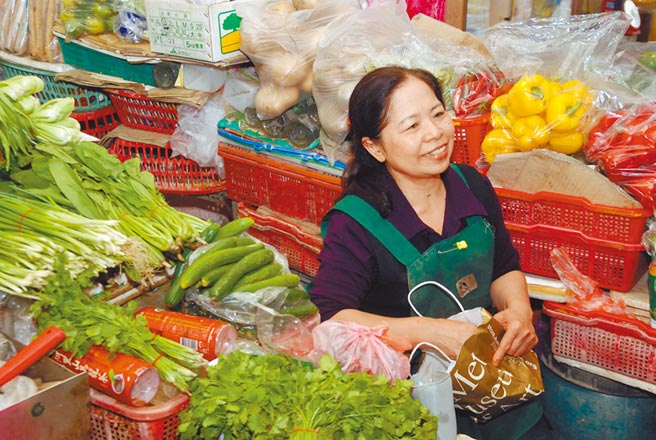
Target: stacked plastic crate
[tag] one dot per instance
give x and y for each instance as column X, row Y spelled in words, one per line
column 286, row 199
column 173, row 174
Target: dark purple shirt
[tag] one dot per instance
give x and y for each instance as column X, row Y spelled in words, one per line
column 347, row 261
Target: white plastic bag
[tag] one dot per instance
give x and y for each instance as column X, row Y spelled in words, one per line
column 432, row 386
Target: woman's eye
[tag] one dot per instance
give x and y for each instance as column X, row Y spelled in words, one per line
column 438, row 115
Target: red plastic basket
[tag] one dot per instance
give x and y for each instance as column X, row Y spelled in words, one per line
column 611, row 342
column 113, row 420
column 99, row 122
column 469, row 136
column 574, row 213
column 176, row 175
column 289, row 189
column 616, row 266
column 300, row 246
column 142, row 112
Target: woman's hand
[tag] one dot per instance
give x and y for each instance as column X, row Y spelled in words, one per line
column 448, row 334
column 519, row 336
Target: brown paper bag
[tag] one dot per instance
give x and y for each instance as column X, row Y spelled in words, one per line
column 484, row 391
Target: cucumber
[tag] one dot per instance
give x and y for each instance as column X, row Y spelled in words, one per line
column 296, row 294
column 175, row 293
column 235, row 227
column 249, row 263
column 212, row 260
column 209, row 233
column 219, row 244
column 264, row 272
column 213, row 275
column 302, row 310
column 286, row 280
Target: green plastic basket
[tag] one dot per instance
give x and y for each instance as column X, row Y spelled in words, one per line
column 86, row 99
column 86, row 58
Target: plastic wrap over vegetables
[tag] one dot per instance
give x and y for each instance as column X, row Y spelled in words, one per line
column 281, row 41
column 556, row 47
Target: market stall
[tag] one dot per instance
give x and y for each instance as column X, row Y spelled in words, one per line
column 165, row 168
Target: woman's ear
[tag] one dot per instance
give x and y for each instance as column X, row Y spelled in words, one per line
column 373, row 147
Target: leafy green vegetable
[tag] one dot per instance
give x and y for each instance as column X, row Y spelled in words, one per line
column 275, row 397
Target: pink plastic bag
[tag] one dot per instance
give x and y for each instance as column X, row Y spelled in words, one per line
column 432, row 8
column 358, row 348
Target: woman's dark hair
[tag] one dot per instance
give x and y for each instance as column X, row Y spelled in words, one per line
column 368, row 112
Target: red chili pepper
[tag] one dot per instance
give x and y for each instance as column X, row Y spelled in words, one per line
column 476, row 91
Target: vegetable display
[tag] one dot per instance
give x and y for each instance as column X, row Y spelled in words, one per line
column 45, row 160
column 477, row 90
column 538, row 113
column 89, row 321
column 281, row 399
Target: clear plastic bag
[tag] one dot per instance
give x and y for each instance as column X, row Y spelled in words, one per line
column 567, row 47
column 281, row 43
column 586, row 294
column 359, row 348
column 196, row 137
column 14, row 26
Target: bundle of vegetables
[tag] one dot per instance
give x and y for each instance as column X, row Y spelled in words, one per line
column 33, row 233
column 44, row 156
column 538, row 113
column 234, row 262
column 278, row 398
column 476, row 91
column 89, row 321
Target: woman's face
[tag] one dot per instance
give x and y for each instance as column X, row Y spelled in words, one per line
column 418, row 138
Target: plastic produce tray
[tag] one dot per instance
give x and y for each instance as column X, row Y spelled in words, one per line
column 300, row 246
column 615, row 346
column 86, row 99
column 615, row 265
column 113, row 420
column 176, row 175
column 469, row 135
column 141, row 112
column 575, row 213
column 292, row 190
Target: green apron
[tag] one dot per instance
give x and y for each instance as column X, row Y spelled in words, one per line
column 463, row 264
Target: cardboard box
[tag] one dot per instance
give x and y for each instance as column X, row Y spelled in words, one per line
column 61, row 412
column 201, row 32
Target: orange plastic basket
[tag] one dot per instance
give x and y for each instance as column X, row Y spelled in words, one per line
column 616, row 266
column 142, row 112
column 99, row 122
column 469, row 136
column 113, row 420
column 607, row 341
column 176, row 175
column 292, row 190
column 300, row 246
column 575, row 213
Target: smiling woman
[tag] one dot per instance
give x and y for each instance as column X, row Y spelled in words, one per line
column 406, row 215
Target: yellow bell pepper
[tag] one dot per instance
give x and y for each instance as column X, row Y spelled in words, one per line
column 531, row 132
column 566, row 143
column 498, row 141
column 529, row 95
column 578, row 89
column 501, row 116
column 564, row 112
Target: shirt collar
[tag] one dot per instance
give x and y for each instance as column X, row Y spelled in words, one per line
column 460, row 204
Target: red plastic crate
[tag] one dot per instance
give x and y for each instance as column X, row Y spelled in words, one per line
column 602, row 340
column 289, row 189
column 99, row 122
column 113, row 420
column 616, row 266
column 574, row 213
column 176, row 175
column 300, row 246
column 469, row 136
column 142, row 112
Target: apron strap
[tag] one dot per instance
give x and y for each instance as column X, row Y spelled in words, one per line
column 384, row 231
